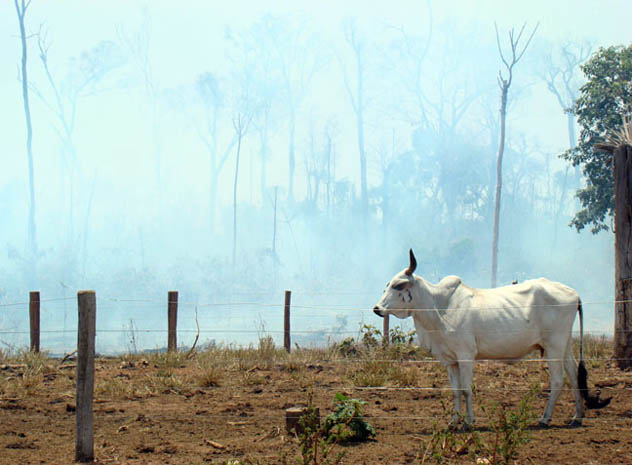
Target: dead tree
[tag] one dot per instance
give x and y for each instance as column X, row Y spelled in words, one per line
column 240, row 124
column 560, row 73
column 20, row 8
column 504, row 83
column 358, row 103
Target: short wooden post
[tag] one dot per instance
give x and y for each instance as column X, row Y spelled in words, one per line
column 385, row 330
column 172, row 309
column 84, row 446
column 34, row 318
column 286, row 322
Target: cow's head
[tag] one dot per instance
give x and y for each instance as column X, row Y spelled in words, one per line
column 400, row 296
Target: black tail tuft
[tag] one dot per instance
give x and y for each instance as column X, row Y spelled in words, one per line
column 591, row 402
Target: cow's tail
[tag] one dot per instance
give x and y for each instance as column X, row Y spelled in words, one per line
column 591, row 402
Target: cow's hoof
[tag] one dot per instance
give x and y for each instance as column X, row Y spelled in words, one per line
column 575, row 423
column 467, row 427
column 542, row 424
column 455, row 423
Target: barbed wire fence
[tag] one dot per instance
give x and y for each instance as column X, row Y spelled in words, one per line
column 136, row 325
column 220, row 319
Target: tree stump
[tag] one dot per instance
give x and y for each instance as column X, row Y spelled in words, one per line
column 293, row 416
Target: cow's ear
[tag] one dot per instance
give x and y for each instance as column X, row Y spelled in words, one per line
column 400, row 286
column 413, row 264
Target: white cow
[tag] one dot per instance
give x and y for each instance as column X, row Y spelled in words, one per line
column 459, row 324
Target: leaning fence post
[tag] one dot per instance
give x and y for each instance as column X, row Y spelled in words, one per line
column 172, row 310
column 84, row 446
column 34, row 319
column 286, row 321
column 385, row 330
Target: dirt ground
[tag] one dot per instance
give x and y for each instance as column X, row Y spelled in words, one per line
column 192, row 411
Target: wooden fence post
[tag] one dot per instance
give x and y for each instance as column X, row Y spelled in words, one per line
column 286, row 322
column 172, row 310
column 34, row 318
column 385, row 330
column 84, row 445
column 623, row 256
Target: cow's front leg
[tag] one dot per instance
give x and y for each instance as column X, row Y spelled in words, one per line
column 466, row 375
column 453, row 374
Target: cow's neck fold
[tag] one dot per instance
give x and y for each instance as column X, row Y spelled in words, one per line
column 430, row 301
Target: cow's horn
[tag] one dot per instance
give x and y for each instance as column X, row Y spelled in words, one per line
column 413, row 264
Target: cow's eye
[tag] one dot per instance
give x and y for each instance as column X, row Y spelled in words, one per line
column 399, row 287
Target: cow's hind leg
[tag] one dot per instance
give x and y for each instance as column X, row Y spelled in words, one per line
column 453, row 374
column 556, row 382
column 570, row 366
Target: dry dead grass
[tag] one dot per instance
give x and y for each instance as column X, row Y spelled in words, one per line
column 236, row 396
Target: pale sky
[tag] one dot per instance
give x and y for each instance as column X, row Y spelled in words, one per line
column 113, row 135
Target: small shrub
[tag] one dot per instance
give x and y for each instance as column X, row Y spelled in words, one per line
column 315, row 446
column 370, row 336
column 370, row 373
column 174, row 359
column 210, row 377
column 244, row 359
column 210, row 369
column 165, row 382
column 446, row 445
column 404, row 376
column 398, row 336
column 346, row 348
column 346, row 423
column 249, row 378
column 509, row 432
column 266, row 351
column 114, row 388
column 596, row 349
column 510, row 428
column 36, row 362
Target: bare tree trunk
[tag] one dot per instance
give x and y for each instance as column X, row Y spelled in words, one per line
column 623, row 256
column 570, row 118
column 357, row 102
column 292, row 161
column 239, row 129
column 328, row 150
column 20, row 8
column 274, row 234
column 213, row 198
column 360, row 118
column 499, row 181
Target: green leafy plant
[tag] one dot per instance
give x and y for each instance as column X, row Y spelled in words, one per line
column 371, row 336
column 509, row 432
column 510, row 427
column 347, row 423
column 398, row 336
column 316, row 447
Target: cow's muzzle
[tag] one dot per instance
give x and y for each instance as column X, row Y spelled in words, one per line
column 378, row 311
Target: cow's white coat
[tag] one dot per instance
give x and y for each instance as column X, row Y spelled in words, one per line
column 459, row 324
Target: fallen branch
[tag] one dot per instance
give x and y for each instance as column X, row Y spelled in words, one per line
column 67, row 356
column 197, row 336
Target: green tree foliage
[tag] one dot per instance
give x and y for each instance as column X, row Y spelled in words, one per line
column 604, row 99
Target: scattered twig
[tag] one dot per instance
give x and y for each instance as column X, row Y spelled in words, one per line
column 215, row 445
